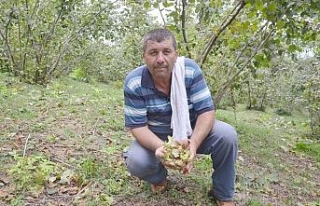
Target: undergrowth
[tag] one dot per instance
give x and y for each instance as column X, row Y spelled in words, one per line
column 63, row 144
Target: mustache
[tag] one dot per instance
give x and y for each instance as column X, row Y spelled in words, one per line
column 161, row 66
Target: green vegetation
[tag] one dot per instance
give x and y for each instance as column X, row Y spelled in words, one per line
column 310, row 147
column 262, row 54
column 70, row 142
column 62, row 66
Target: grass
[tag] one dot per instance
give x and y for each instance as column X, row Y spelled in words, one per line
column 309, row 147
column 63, row 144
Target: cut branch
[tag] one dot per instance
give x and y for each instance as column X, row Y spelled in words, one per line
column 25, row 146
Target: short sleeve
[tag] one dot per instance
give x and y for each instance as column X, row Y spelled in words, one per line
column 134, row 104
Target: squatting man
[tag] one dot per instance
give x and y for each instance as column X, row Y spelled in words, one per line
column 152, row 104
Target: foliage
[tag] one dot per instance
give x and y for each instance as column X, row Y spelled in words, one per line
column 309, row 147
column 245, row 47
column 79, row 74
column 253, row 52
column 30, row 173
column 89, row 168
column 43, row 39
column 311, row 96
column 175, row 154
column 83, row 139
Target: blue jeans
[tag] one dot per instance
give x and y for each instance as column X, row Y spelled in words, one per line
column 221, row 144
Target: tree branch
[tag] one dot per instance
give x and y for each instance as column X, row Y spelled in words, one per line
column 227, row 84
column 183, row 26
column 253, row 54
column 252, row 38
column 223, row 26
column 161, row 15
column 28, row 35
column 64, row 45
column 48, row 35
column 5, row 38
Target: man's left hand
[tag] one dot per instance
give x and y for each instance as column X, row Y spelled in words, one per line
column 191, row 145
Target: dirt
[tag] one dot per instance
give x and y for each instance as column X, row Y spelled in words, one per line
column 66, row 137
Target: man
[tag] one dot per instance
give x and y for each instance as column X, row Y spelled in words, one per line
column 148, row 117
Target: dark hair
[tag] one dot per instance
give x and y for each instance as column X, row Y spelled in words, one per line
column 159, row 35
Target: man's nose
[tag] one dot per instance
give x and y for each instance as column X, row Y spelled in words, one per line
column 160, row 58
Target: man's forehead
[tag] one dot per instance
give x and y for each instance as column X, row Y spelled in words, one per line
column 159, row 44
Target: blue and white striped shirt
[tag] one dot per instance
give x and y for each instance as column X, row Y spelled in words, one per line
column 145, row 105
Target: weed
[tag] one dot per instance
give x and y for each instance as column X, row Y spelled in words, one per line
column 254, row 202
column 52, row 138
column 17, row 201
column 113, row 186
column 89, row 168
column 310, row 148
column 85, row 123
column 314, row 203
column 30, row 173
column 93, row 200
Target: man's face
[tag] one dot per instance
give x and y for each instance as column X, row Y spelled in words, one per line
column 160, row 58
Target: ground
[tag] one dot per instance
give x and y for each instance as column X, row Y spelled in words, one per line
column 62, row 145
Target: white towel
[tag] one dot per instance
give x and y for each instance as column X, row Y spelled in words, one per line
column 180, row 122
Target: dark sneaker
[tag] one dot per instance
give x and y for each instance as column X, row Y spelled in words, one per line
column 159, row 188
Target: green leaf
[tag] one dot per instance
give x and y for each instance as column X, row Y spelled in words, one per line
column 245, row 25
column 280, row 24
column 272, row 7
column 292, row 48
column 147, row 5
column 167, row 4
column 259, row 5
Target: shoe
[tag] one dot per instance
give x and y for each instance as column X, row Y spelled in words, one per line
column 159, row 188
column 220, row 202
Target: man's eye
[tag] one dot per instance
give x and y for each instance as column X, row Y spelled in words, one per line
column 153, row 53
column 166, row 52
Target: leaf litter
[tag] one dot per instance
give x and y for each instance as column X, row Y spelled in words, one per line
column 74, row 127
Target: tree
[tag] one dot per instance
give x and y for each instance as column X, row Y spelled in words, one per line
column 227, row 37
column 38, row 37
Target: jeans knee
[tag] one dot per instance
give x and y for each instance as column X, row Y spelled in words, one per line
column 139, row 168
column 231, row 136
column 225, row 132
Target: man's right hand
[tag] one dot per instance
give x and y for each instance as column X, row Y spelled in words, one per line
column 160, row 154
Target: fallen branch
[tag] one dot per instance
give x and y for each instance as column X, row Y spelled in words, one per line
column 62, row 162
column 25, row 146
column 80, row 191
column 95, row 127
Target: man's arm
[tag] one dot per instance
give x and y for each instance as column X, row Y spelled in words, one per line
column 147, row 138
column 202, row 128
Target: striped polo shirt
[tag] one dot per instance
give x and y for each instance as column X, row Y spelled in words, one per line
column 145, row 105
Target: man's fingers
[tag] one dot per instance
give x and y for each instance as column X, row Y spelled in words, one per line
column 184, row 142
column 187, row 169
